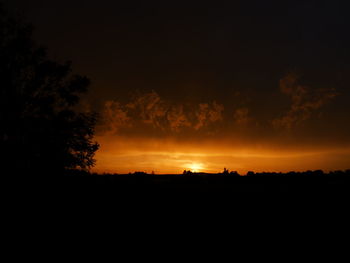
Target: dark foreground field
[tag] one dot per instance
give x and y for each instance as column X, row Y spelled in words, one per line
column 139, row 182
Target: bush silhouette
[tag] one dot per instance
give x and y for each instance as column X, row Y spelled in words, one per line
column 41, row 128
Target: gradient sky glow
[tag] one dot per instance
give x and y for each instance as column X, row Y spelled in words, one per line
column 168, row 156
column 203, row 85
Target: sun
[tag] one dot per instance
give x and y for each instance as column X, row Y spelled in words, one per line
column 195, row 167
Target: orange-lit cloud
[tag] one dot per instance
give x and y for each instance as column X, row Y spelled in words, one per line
column 150, row 109
column 304, row 101
column 208, row 113
column 114, row 117
column 241, row 116
column 177, row 118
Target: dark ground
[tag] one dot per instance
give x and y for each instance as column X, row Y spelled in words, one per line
column 315, row 181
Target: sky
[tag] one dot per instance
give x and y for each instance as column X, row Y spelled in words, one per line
column 203, row 85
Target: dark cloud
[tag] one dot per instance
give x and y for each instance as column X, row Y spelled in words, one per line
column 305, row 101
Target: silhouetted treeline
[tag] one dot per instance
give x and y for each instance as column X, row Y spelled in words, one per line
column 227, row 173
column 41, row 129
column 141, row 182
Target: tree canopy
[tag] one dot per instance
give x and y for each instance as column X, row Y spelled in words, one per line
column 41, row 129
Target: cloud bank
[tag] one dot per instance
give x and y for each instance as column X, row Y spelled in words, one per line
column 151, row 110
column 147, row 111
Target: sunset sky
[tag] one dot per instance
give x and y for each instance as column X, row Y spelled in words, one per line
column 203, row 85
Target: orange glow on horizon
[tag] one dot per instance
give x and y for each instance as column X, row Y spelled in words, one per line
column 162, row 156
column 195, row 167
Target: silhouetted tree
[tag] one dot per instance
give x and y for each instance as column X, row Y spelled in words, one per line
column 40, row 127
column 250, row 173
column 234, row 173
column 226, row 172
column 140, row 173
column 185, row 172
